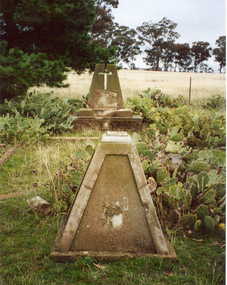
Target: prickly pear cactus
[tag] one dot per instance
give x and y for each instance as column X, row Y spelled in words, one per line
column 161, row 174
column 148, row 154
column 177, row 137
column 154, row 166
column 198, row 225
column 209, row 198
column 173, row 147
column 202, row 180
column 141, row 147
column 202, row 211
column 170, row 181
column 145, row 166
column 189, row 220
column 200, row 166
column 192, row 155
column 220, row 188
column 209, row 224
column 191, row 185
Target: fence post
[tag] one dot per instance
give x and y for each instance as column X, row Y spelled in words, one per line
column 190, row 88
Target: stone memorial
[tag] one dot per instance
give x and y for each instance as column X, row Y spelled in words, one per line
column 113, row 216
column 106, row 108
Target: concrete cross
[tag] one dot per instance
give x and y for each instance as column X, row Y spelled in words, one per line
column 105, row 73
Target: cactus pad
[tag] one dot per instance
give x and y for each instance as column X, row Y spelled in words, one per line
column 200, row 166
column 209, row 198
column 203, row 180
column 198, row 225
column 161, row 174
column 209, row 224
column 202, row 211
column 173, row 146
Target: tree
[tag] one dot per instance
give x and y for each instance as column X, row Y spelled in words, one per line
column 125, row 39
column 160, row 37
column 103, row 21
column 182, row 56
column 220, row 52
column 200, row 52
column 56, row 33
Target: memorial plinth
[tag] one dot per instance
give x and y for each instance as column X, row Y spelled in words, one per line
column 106, row 108
column 113, row 216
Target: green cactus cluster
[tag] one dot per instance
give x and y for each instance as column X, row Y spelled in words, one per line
column 26, row 130
column 204, row 221
column 35, row 117
column 215, row 101
column 199, row 177
column 178, row 122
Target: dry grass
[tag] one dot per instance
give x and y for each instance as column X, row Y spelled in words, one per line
column 134, row 81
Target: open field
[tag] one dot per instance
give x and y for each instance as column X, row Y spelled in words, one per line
column 134, row 81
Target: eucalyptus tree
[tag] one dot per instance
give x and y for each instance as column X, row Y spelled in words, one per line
column 183, row 58
column 127, row 42
column 200, row 52
column 159, row 39
column 220, row 52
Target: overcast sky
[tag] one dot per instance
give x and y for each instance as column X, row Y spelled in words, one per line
column 198, row 20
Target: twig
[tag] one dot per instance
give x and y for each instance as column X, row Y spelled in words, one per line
column 12, row 195
column 74, row 138
column 6, row 156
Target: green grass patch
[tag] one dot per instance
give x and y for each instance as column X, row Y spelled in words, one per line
column 27, row 239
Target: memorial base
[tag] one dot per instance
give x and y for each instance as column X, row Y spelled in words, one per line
column 104, row 256
column 108, row 123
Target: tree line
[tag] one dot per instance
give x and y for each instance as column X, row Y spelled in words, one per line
column 43, row 40
column 159, row 39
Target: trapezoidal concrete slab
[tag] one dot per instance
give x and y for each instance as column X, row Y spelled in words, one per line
column 113, row 215
column 105, row 109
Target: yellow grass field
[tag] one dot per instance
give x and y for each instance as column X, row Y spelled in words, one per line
column 134, row 81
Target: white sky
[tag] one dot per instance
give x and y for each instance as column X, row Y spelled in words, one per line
column 198, row 20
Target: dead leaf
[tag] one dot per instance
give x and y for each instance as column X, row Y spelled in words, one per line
column 100, row 266
column 215, row 243
column 168, row 273
column 212, row 211
column 223, row 245
column 152, row 184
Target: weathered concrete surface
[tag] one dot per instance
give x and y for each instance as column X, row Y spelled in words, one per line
column 106, row 99
column 133, row 123
column 122, row 113
column 114, row 219
column 113, row 215
column 98, row 83
column 105, row 102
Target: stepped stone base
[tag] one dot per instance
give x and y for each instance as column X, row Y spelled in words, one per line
column 133, row 123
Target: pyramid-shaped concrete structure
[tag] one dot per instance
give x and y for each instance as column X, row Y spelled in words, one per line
column 113, row 215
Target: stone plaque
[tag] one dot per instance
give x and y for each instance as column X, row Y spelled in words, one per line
column 105, row 99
